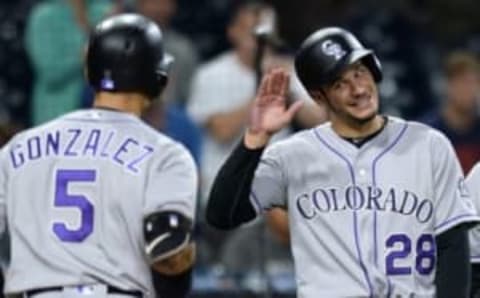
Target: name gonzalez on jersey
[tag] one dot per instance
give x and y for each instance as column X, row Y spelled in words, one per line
column 75, row 142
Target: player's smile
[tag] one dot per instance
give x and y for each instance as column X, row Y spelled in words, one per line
column 361, row 103
column 354, row 93
column 365, row 104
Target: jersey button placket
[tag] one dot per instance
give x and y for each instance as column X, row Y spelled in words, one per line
column 362, row 176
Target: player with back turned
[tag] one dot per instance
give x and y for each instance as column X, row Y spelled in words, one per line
column 377, row 205
column 95, row 200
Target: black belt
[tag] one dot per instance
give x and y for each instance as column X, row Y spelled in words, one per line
column 110, row 290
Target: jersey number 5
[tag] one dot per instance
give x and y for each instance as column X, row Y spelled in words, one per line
column 63, row 199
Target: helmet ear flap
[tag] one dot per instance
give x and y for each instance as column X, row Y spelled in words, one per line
column 163, row 69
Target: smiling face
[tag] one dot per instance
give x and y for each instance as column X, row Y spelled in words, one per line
column 352, row 97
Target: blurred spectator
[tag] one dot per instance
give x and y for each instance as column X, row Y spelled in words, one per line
column 223, row 89
column 220, row 100
column 16, row 74
column 55, row 36
column 181, row 48
column 458, row 117
column 175, row 123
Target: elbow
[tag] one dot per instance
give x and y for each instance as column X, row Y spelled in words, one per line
column 218, row 214
column 218, row 220
column 219, row 224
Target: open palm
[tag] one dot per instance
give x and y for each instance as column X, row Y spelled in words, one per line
column 269, row 112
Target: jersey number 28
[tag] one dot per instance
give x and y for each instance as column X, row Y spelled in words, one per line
column 80, row 202
column 424, row 254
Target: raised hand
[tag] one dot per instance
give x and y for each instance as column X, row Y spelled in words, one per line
column 269, row 113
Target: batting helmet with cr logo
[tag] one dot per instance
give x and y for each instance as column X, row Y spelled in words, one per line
column 126, row 54
column 328, row 51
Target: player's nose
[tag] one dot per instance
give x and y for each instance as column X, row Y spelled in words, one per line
column 358, row 89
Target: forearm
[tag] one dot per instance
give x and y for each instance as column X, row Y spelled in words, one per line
column 453, row 266
column 277, row 221
column 172, row 286
column 229, row 205
column 172, row 277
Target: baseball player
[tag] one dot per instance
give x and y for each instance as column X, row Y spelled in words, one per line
column 473, row 183
column 377, row 205
column 96, row 199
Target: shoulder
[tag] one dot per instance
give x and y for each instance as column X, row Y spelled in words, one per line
column 166, row 148
column 430, row 141
column 419, row 130
column 294, row 144
column 41, row 15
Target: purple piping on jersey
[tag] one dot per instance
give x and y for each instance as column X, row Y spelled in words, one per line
column 473, row 216
column 374, row 182
column 256, row 201
column 355, row 228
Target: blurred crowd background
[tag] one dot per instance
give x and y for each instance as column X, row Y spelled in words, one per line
column 429, row 51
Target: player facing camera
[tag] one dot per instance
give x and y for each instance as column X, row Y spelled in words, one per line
column 337, row 69
column 377, row 205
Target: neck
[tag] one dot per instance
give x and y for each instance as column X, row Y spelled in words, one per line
column 355, row 129
column 457, row 118
column 133, row 103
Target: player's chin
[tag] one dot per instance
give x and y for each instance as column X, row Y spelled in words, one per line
column 364, row 115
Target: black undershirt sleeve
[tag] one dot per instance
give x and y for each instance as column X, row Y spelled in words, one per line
column 228, row 204
column 453, row 264
column 176, row 286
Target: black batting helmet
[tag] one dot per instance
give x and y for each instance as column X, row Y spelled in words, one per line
column 125, row 53
column 325, row 53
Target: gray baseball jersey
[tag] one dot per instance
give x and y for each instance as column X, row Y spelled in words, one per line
column 363, row 220
column 75, row 191
column 473, row 183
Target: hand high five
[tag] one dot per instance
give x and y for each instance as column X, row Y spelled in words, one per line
column 269, row 112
